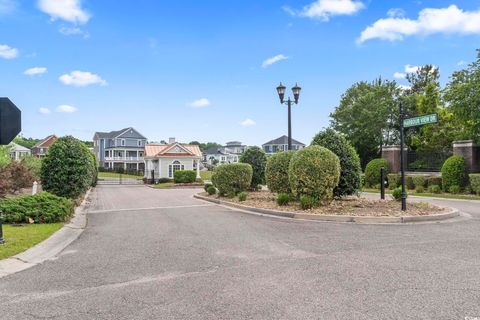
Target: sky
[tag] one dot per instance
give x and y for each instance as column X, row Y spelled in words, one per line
column 207, row 70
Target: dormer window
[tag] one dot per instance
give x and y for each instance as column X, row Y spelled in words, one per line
column 122, row 142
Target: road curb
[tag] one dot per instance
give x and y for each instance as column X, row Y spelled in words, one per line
column 51, row 246
column 452, row 213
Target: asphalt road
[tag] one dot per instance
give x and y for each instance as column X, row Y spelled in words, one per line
column 160, row 254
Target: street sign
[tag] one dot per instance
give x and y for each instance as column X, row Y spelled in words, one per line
column 10, row 121
column 420, row 121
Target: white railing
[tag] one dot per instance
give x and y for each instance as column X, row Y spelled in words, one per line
column 123, row 158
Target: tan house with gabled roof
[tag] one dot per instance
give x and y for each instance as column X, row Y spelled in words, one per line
column 162, row 160
column 41, row 148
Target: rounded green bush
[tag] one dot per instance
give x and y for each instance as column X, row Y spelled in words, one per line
column 314, row 171
column 350, row 167
column 372, row 172
column 255, row 157
column 434, row 188
column 308, row 202
column 397, row 194
column 242, row 196
column 276, row 172
column 211, row 190
column 420, row 189
column 232, row 178
column 453, row 172
column 206, row 186
column 454, row 189
column 475, row 182
column 283, row 199
column 69, row 169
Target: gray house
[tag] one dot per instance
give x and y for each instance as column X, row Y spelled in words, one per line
column 281, row 144
column 226, row 154
column 120, row 149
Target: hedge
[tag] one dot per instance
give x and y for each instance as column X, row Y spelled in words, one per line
column 184, row 176
column 232, row 178
column 42, row 208
column 475, row 182
column 419, row 181
column 372, row 172
column 276, row 172
column 434, row 181
column 350, row 167
column 255, row 157
column 453, row 172
column 314, row 172
column 69, row 168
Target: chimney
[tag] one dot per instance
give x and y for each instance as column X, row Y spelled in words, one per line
column 171, row 140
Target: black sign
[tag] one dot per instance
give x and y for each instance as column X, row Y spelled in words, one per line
column 10, row 121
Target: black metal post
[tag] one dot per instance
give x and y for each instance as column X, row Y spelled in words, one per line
column 289, row 124
column 153, row 176
column 402, row 165
column 382, row 183
column 2, row 241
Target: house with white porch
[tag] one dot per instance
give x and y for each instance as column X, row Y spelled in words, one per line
column 18, row 152
column 120, row 149
column 162, row 160
column 230, row 153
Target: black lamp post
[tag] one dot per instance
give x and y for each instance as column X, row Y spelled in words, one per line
column 296, row 95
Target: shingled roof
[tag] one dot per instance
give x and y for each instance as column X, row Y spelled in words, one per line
column 283, row 140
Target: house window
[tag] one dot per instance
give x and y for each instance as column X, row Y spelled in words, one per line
column 176, row 165
column 123, row 142
column 139, row 143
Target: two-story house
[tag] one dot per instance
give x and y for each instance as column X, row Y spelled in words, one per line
column 281, row 144
column 120, row 149
column 230, row 153
column 41, row 148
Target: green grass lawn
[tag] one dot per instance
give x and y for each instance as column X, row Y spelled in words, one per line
column 20, row 238
column 165, row 185
column 436, row 195
column 206, row 175
column 117, row 175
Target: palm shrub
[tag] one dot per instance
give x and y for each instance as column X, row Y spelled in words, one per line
column 255, row 157
column 475, row 182
column 350, row 168
column 283, row 199
column 68, row 170
column 315, row 172
column 453, row 172
column 372, row 172
column 276, row 172
column 232, row 178
column 242, row 196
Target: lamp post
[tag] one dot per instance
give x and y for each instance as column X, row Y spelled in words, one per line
column 296, row 95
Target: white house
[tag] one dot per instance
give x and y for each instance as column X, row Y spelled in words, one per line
column 227, row 154
column 18, row 152
column 162, row 160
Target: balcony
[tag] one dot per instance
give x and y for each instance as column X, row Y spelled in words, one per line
column 123, row 158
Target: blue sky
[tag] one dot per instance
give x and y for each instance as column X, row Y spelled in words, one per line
column 207, row 70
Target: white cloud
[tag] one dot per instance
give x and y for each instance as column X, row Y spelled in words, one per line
column 81, row 79
column 444, row 20
column 203, row 102
column 8, row 52
column 396, row 13
column 72, row 31
column 44, row 110
column 248, row 122
column 68, row 10
column 7, row 6
column 272, row 60
column 324, row 9
column 34, row 71
column 411, row 69
column 461, row 63
column 65, row 108
column 399, row 75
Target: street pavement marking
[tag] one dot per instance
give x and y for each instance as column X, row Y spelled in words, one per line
column 152, row 208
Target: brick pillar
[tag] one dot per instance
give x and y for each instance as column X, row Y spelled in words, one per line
column 470, row 151
column 392, row 155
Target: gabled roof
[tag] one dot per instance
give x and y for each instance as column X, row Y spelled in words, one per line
column 214, row 150
column 114, row 134
column 47, row 142
column 161, row 150
column 18, row 148
column 283, row 140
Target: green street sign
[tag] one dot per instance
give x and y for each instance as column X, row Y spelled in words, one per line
column 420, row 121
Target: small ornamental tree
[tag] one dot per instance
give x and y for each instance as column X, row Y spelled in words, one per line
column 68, row 170
column 276, row 172
column 453, row 173
column 255, row 157
column 232, row 178
column 349, row 161
column 314, row 172
column 372, row 172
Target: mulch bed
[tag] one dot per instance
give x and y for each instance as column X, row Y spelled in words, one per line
column 348, row 206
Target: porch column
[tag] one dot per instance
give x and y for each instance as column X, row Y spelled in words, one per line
column 198, row 170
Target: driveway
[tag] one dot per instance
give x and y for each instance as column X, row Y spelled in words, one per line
column 160, row 254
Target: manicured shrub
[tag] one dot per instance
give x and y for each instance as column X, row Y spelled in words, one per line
column 409, row 183
column 242, row 196
column 475, row 182
column 394, row 180
column 255, row 157
column 454, row 189
column 164, row 180
column 397, row 194
column 308, row 202
column 184, row 176
column 41, row 208
column 283, row 199
column 232, row 178
column 372, row 172
column 434, row 188
column 350, row 168
column 434, row 181
column 314, row 171
column 206, row 186
column 419, row 181
column 453, row 172
column 211, row 190
column 68, row 170
column 420, row 189
column 276, row 172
